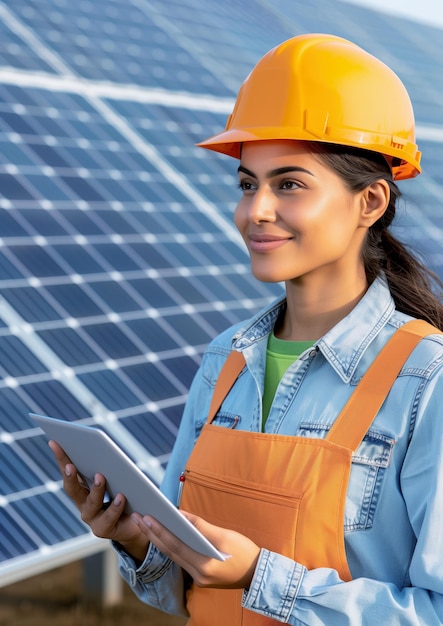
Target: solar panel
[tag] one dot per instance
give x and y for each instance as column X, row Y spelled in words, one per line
column 118, row 258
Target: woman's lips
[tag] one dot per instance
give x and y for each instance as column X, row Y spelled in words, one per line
column 266, row 243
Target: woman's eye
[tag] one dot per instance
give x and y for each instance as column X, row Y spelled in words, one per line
column 289, row 185
column 245, row 185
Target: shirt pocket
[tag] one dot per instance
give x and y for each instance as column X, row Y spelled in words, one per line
column 223, row 419
column 369, row 465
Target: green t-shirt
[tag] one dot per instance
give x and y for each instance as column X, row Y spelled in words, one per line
column 280, row 355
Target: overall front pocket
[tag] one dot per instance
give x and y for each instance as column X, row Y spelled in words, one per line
column 266, row 514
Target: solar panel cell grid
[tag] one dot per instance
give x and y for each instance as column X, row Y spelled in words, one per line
column 46, row 515
column 115, row 36
column 147, row 426
column 17, row 540
column 48, row 395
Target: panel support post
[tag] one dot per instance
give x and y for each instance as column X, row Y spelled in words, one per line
column 103, row 585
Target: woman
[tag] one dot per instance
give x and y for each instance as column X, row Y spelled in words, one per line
column 329, row 509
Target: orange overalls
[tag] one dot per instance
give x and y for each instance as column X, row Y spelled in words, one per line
column 286, row 493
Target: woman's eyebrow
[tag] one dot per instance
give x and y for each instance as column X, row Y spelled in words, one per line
column 276, row 172
column 245, row 171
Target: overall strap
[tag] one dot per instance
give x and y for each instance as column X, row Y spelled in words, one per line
column 359, row 412
column 228, row 375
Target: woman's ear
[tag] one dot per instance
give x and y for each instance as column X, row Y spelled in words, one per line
column 374, row 202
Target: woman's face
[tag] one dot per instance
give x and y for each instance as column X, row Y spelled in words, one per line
column 298, row 219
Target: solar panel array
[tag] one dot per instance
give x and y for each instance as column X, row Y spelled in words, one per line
column 118, row 258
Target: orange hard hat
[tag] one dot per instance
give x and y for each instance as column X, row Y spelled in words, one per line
column 324, row 88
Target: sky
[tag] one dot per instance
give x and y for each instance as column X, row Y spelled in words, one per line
column 427, row 11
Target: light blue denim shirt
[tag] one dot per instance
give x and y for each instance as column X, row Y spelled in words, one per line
column 393, row 522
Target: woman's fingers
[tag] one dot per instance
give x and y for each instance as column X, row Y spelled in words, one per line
column 235, row 572
column 88, row 498
column 60, row 455
column 92, row 504
column 106, row 519
column 166, row 542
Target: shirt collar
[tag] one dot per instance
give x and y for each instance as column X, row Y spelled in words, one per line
column 342, row 346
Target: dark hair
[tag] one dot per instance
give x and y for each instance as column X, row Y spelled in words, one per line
column 411, row 283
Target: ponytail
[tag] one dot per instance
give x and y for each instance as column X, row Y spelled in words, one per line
column 416, row 290
column 413, row 286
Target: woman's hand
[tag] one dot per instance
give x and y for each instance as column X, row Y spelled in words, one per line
column 234, row 573
column 108, row 522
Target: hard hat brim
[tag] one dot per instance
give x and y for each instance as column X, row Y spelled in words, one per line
column 230, row 142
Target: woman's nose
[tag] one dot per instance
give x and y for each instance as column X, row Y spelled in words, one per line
column 262, row 207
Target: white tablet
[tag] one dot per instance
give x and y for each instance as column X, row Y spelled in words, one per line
column 91, row 450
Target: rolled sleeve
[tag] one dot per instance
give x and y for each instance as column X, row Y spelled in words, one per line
column 274, row 587
column 157, row 581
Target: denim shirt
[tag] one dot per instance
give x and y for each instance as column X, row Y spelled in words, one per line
column 394, row 506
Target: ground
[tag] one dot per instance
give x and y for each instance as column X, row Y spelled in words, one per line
column 54, row 599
